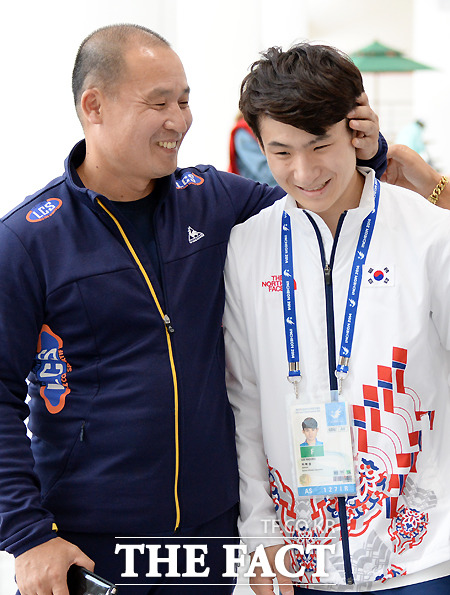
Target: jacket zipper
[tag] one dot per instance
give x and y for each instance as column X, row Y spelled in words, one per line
column 169, row 330
column 331, row 339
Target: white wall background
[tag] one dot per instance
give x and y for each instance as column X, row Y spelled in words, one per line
column 217, row 42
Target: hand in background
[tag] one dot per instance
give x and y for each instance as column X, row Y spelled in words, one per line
column 264, row 585
column 406, row 168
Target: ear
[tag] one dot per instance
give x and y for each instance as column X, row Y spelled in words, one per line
column 90, row 103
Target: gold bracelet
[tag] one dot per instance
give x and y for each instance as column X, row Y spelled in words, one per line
column 434, row 196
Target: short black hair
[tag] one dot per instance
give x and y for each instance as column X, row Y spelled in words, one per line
column 309, row 422
column 100, row 59
column 311, row 87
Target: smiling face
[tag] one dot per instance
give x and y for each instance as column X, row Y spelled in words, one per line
column 135, row 130
column 319, row 172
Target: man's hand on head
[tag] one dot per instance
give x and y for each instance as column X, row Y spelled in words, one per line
column 364, row 121
column 43, row 569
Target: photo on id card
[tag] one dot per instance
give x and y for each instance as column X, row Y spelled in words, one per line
column 322, row 447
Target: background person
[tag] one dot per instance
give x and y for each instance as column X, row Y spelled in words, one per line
column 412, row 136
column 246, row 157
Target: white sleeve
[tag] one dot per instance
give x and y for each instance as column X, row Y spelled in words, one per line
column 257, row 522
column 439, row 265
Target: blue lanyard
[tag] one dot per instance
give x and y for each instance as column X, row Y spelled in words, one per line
column 290, row 318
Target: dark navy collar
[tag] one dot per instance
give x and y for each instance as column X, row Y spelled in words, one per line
column 76, row 158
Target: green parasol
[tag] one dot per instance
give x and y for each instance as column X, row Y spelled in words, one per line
column 377, row 57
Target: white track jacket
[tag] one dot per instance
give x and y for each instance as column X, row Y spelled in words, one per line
column 398, row 525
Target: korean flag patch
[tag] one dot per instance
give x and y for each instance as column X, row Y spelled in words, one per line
column 378, row 276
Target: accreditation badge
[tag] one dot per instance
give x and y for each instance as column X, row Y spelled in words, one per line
column 321, row 443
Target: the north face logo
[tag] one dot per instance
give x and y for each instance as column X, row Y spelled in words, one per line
column 194, row 236
column 275, row 283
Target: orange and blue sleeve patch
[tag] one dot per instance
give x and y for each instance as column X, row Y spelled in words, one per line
column 44, row 210
column 51, row 368
column 189, row 179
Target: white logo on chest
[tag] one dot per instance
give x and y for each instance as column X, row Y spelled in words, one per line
column 194, row 236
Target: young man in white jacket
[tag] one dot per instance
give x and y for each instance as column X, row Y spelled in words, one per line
column 337, row 308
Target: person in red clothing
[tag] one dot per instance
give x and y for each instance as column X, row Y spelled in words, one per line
column 246, row 157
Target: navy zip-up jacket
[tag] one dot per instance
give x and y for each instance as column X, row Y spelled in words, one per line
column 132, row 430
